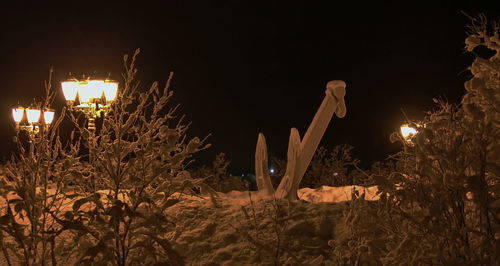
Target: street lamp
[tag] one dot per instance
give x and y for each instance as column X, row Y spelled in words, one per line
column 408, row 132
column 91, row 97
column 31, row 120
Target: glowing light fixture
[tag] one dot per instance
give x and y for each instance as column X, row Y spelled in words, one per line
column 70, row 90
column 18, row 114
column 48, row 116
column 90, row 91
column 33, row 115
column 31, row 119
column 93, row 96
column 110, row 89
column 408, row 132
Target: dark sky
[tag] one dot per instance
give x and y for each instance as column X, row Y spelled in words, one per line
column 243, row 67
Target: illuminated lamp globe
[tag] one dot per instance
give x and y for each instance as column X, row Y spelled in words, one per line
column 18, row 114
column 85, row 93
column 95, row 89
column 33, row 115
column 70, row 90
column 408, row 132
column 48, row 116
column 110, row 90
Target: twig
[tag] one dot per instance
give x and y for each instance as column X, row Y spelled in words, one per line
column 4, row 250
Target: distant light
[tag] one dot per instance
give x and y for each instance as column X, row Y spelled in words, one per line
column 335, row 174
column 408, row 132
column 33, row 116
column 272, row 171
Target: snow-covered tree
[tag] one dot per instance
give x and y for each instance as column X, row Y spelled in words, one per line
column 447, row 190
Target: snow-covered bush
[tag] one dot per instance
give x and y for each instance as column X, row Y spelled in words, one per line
column 335, row 167
column 447, row 190
column 439, row 202
column 359, row 237
column 110, row 188
column 32, row 191
column 217, row 178
column 330, row 168
column 138, row 157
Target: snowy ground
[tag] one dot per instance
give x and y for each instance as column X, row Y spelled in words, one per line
column 222, row 234
column 235, row 230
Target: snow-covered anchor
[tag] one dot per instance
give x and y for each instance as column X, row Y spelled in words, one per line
column 261, row 168
column 300, row 153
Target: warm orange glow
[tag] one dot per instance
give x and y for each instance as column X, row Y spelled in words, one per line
column 84, row 92
column 48, row 116
column 110, row 89
column 33, row 115
column 90, row 91
column 95, row 88
column 408, row 132
column 70, row 89
column 18, row 114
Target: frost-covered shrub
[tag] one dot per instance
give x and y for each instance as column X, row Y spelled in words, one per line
column 327, row 168
column 482, row 100
column 32, row 190
column 440, row 200
column 137, row 159
column 217, row 178
column 359, row 238
column 330, row 168
column 447, row 189
column 445, row 192
column 103, row 198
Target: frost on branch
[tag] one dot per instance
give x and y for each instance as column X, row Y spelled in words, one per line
column 483, row 97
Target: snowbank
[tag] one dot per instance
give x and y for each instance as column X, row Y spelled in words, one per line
column 336, row 194
column 317, row 195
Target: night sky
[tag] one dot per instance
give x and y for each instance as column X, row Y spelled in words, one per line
column 244, row 67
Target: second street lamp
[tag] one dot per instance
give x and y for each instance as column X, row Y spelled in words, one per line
column 92, row 97
column 31, row 120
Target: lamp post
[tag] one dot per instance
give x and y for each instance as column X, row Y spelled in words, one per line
column 31, row 119
column 91, row 97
